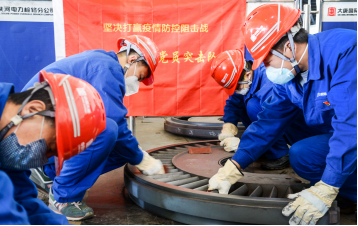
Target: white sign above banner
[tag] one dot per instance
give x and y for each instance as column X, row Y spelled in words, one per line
column 339, row 12
column 30, row 11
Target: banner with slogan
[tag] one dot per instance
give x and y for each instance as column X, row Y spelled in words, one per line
column 189, row 35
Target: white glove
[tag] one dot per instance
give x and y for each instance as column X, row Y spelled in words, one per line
column 149, row 165
column 230, row 144
column 228, row 130
column 226, row 176
column 311, row 204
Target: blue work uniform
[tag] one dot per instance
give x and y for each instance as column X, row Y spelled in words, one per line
column 18, row 194
column 329, row 103
column 115, row 146
column 245, row 108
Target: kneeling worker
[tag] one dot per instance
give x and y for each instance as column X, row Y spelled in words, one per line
column 113, row 75
column 314, row 73
column 249, row 89
column 35, row 125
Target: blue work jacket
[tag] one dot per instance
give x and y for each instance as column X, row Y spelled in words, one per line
column 18, row 195
column 328, row 100
column 102, row 70
column 261, row 87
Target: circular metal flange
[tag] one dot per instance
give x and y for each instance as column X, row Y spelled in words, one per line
column 181, row 194
column 200, row 127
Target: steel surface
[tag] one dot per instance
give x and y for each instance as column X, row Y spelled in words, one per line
column 197, row 128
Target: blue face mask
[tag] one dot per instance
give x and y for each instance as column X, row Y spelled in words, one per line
column 282, row 75
column 14, row 156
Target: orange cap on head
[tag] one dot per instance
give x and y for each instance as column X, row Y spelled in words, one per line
column 79, row 114
column 149, row 50
column 226, row 69
column 265, row 26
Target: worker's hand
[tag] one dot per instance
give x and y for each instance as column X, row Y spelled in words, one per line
column 311, row 204
column 226, row 176
column 149, row 165
column 230, row 144
column 228, row 130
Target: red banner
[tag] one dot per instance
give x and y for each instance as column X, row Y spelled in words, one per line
column 189, row 34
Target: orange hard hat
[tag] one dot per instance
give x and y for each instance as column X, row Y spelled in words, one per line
column 79, row 114
column 265, row 26
column 226, row 69
column 147, row 48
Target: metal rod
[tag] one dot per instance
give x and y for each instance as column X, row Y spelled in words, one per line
column 312, row 12
column 195, row 184
column 166, row 161
column 132, row 124
column 241, row 190
column 169, row 179
column 166, row 175
column 169, row 152
column 160, row 155
column 257, row 192
column 202, row 188
column 184, row 181
column 288, row 192
column 273, row 193
column 307, row 17
column 319, row 17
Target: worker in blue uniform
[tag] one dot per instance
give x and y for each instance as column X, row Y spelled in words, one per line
column 244, row 104
column 113, row 75
column 315, row 73
column 28, row 138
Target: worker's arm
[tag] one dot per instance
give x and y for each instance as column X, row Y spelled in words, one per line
column 110, row 86
column 341, row 160
column 235, row 109
column 10, row 211
column 277, row 114
column 25, row 195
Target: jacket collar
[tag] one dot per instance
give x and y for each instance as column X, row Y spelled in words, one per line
column 314, row 58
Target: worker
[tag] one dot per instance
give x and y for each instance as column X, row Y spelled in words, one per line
column 315, row 73
column 113, row 75
column 35, row 125
column 248, row 89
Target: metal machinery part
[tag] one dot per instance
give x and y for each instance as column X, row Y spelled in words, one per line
column 181, row 194
column 204, row 127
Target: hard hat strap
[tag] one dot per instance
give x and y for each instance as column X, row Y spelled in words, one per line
column 17, row 119
column 126, row 67
column 283, row 57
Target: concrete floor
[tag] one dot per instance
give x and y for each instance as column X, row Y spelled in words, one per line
column 110, row 201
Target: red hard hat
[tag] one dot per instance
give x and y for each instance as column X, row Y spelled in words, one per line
column 264, row 27
column 226, row 69
column 79, row 114
column 148, row 48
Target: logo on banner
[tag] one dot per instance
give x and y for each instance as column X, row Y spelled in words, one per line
column 331, row 11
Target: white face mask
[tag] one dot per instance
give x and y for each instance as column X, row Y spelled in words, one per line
column 282, row 75
column 132, row 83
column 243, row 91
